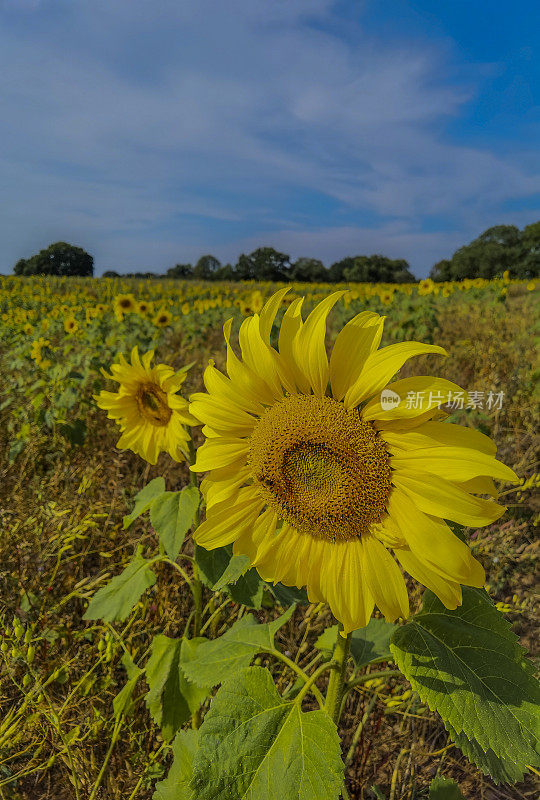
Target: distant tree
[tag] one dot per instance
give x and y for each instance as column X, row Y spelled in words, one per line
column 441, row 271
column 308, row 270
column 180, row 271
column 378, row 269
column 335, row 273
column 58, row 259
column 224, row 273
column 205, row 267
column 529, row 265
column 110, row 273
column 263, row 264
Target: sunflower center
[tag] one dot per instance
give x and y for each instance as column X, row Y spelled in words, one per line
column 152, row 404
column 322, row 468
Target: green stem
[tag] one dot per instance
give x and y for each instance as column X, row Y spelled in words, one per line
column 196, row 585
column 299, row 671
column 337, row 678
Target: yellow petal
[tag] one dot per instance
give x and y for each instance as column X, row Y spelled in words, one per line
column 345, row 585
column 382, row 365
column 384, row 579
column 431, row 434
column 268, row 313
column 292, row 376
column 418, row 395
column 453, row 463
column 248, row 384
column 310, row 348
column 221, row 386
column 432, row 541
column 479, row 485
column 222, row 415
column 441, row 498
column 448, row 592
column 226, row 522
column 354, row 343
column 258, row 356
column 216, row 453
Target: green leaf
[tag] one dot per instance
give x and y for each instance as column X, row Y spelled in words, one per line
column 115, row 600
column 444, row 789
column 172, row 699
column 144, row 499
column 219, row 571
column 468, row 665
column 287, row 595
column 172, row 515
column 176, row 784
column 367, row 644
column 220, row 658
column 254, row 744
column 122, row 702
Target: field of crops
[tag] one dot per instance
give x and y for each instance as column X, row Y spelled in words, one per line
column 76, row 719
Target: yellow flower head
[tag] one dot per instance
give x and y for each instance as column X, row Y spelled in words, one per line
column 147, row 408
column 162, row 318
column 318, row 470
column 124, row 304
column 427, row 286
column 144, row 308
column 70, row 324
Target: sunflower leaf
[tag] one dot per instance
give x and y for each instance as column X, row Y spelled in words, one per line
column 116, row 600
column 171, row 699
column 222, row 571
column 444, row 789
column 468, row 665
column 176, row 784
column 144, row 499
column 368, row 644
column 172, row 515
column 218, row 659
column 255, row 744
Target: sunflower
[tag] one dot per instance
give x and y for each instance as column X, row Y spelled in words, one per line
column 147, row 408
column 124, row 304
column 318, row 469
column 144, row 308
column 162, row 318
column 70, row 324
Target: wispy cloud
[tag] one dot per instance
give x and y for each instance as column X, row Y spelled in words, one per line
column 153, row 130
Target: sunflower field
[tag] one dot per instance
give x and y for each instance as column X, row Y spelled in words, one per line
column 262, row 541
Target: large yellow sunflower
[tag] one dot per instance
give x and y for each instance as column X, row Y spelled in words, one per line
column 318, row 470
column 150, row 413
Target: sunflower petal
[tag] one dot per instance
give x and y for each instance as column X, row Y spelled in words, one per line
column 384, row 579
column 354, row 343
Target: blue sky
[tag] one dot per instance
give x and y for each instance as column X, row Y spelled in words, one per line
column 150, row 132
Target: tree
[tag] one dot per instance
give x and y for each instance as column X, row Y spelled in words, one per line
column 60, row 258
column 378, row 269
column 309, row 270
column 180, row 271
column 224, row 273
column 335, row 273
column 529, row 266
column 110, row 273
column 263, row 264
column 441, row 271
column 205, row 267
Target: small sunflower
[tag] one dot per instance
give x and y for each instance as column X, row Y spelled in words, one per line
column 144, row 308
column 147, row 408
column 124, row 304
column 318, row 469
column 70, row 324
column 162, row 318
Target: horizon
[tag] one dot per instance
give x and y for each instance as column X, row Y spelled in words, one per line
column 150, row 135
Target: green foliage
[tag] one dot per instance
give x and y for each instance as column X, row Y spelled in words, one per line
column 59, row 258
column 115, row 600
column 368, row 644
column 144, row 499
column 177, row 784
column 467, row 665
column 219, row 659
column 444, row 789
column 254, row 744
column 220, row 570
column 171, row 699
column 172, row 515
column 122, row 702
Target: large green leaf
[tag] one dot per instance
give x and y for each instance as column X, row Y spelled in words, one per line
column 144, row 499
column 254, row 745
column 367, row 644
column 115, row 600
column 218, row 659
column 176, row 784
column 444, row 789
column 287, row 595
column 468, row 665
column 172, row 699
column 172, row 515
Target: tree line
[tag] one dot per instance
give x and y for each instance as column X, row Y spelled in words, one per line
column 500, row 248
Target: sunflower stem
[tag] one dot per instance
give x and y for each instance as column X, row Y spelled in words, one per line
column 336, row 683
column 196, row 585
